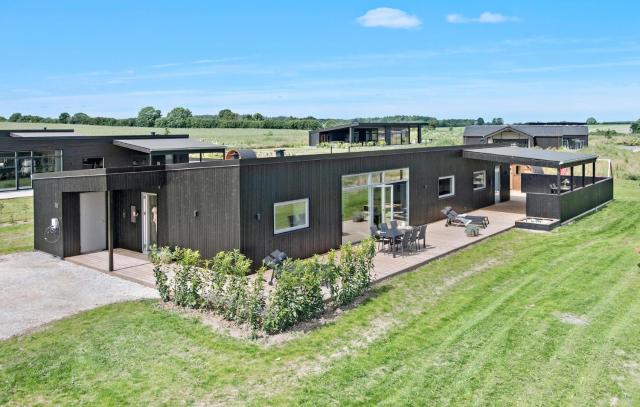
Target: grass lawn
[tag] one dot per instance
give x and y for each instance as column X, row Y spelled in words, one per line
column 16, row 225
column 521, row 318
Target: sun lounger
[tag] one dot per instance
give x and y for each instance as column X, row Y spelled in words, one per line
column 455, row 219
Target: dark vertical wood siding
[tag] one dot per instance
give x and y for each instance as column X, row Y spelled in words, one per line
column 570, row 204
column 214, row 193
column 268, row 181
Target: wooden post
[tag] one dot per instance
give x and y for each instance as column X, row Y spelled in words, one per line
column 558, row 185
column 419, row 134
column 593, row 172
column 572, row 178
column 583, row 169
column 110, row 228
column 350, row 135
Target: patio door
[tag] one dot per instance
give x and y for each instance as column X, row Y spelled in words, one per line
column 149, row 221
column 382, row 204
column 497, row 184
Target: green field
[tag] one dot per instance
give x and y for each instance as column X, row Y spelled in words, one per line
column 519, row 319
column 16, row 225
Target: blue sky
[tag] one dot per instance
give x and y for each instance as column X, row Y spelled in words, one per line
column 543, row 60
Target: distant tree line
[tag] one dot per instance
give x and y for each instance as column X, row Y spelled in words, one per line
column 178, row 117
column 635, row 127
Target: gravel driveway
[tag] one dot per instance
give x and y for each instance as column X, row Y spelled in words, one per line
column 37, row 288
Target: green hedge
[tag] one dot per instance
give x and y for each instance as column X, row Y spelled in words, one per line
column 222, row 285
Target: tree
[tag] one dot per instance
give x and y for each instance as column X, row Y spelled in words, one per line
column 179, row 117
column 227, row 114
column 257, row 116
column 64, row 117
column 497, row 120
column 592, row 120
column 480, row 121
column 80, row 118
column 147, row 116
column 635, row 127
column 15, row 117
column 3, row 119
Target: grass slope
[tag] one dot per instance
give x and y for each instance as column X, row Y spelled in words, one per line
column 483, row 326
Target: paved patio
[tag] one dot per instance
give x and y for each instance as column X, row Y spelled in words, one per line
column 127, row 264
column 441, row 240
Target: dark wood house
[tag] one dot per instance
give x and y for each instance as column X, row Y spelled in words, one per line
column 27, row 152
column 302, row 205
column 529, row 135
column 394, row 133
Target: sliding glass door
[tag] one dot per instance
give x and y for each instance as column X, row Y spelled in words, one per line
column 371, row 199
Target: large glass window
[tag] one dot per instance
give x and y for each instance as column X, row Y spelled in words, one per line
column 479, row 179
column 7, row 170
column 89, row 163
column 371, row 199
column 290, row 215
column 47, row 161
column 446, row 186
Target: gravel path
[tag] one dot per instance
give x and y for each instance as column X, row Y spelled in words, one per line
column 37, row 288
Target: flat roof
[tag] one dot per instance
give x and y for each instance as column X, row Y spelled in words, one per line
column 369, row 124
column 52, row 134
column 528, row 156
column 168, row 145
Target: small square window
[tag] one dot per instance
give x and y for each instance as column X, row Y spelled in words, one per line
column 446, row 186
column 290, row 215
column 479, row 180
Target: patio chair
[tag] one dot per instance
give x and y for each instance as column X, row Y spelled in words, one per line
column 405, row 241
column 413, row 241
column 475, row 220
column 422, row 235
column 375, row 234
column 454, row 220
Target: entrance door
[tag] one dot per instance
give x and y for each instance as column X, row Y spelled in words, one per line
column 382, row 204
column 496, row 184
column 149, row 221
column 93, row 222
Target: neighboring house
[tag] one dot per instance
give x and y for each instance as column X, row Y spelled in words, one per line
column 27, row 152
column 529, row 135
column 302, row 205
column 363, row 133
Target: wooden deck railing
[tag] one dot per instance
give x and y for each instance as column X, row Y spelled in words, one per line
column 570, row 204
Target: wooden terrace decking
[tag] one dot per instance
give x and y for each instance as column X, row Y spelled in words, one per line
column 441, row 240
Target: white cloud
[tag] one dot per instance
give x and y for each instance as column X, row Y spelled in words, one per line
column 386, row 17
column 485, row 18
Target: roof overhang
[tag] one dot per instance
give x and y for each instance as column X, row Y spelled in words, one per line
column 529, row 156
column 169, row 146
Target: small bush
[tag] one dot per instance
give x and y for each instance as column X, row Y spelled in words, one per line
column 296, row 298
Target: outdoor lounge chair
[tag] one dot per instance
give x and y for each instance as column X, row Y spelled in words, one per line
column 477, row 220
column 453, row 218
